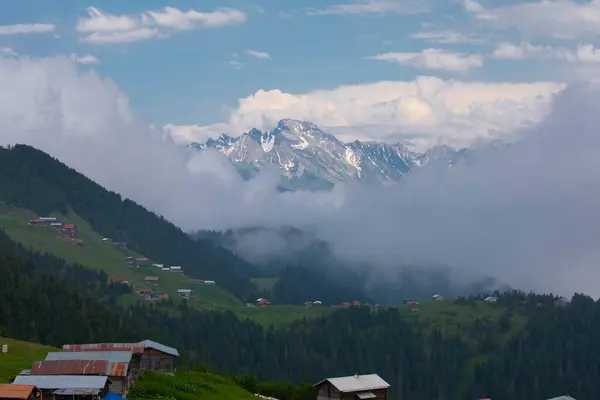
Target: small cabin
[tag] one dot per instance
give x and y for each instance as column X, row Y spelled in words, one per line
column 438, row 297
column 490, row 299
column 353, row 388
column 185, row 293
column 146, row 292
column 165, row 269
column 209, row 283
column 19, row 392
column 262, row 302
column 175, row 268
column 151, row 279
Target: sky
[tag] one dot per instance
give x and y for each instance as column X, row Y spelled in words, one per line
column 202, row 68
column 528, row 215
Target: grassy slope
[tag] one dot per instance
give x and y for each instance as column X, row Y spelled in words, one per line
column 20, row 356
column 187, row 385
column 96, row 254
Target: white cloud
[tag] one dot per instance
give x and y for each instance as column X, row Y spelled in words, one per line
column 186, row 134
column 493, row 218
column 584, row 53
column 26, row 28
column 235, row 64
column 8, row 52
column 434, row 59
column 101, row 28
column 121, row 36
column 472, row 6
column 434, row 110
column 176, row 19
column 375, row 7
column 258, row 54
column 564, row 19
column 448, row 37
column 86, row 59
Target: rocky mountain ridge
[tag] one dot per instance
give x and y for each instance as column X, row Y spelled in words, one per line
column 310, row 158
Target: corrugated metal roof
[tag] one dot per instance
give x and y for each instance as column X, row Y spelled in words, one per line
column 12, row 391
column 160, row 347
column 69, row 367
column 63, row 381
column 110, row 356
column 136, row 348
column 357, row 383
column 79, row 367
column 75, row 392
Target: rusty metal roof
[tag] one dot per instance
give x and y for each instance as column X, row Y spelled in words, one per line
column 12, row 391
column 79, row 367
column 136, row 348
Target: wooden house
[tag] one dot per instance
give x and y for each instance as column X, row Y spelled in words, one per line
column 146, row 292
column 158, row 358
column 69, row 230
column 147, row 355
column 151, row 280
column 63, row 386
column 114, row 364
column 353, row 388
column 19, row 392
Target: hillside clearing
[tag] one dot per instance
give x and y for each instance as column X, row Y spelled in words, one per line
column 20, row 356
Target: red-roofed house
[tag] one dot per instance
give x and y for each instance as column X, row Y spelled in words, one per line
column 69, row 230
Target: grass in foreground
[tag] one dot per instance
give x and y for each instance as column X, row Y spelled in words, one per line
column 20, row 356
column 187, row 385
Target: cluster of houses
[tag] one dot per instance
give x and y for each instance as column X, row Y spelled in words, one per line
column 66, row 229
column 90, row 371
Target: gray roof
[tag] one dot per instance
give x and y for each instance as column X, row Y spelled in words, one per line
column 160, row 347
column 110, row 356
column 562, row 398
column 357, row 383
column 62, row 381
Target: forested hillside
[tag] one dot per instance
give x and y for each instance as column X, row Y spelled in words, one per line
column 32, row 179
column 521, row 347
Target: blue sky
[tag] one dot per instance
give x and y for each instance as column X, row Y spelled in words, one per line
column 194, row 76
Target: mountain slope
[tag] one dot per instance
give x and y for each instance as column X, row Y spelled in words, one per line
column 311, row 158
column 33, row 180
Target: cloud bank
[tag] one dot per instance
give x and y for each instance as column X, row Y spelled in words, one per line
column 427, row 110
column 528, row 215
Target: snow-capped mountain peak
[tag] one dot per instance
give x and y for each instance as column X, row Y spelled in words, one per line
column 309, row 157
